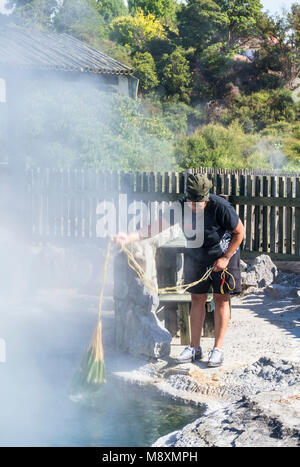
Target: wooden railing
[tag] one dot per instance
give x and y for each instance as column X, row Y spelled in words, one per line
column 62, row 204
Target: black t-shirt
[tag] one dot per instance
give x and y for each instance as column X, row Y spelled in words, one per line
column 220, row 219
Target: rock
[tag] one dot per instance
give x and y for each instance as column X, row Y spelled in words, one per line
column 137, row 328
column 261, row 273
column 243, row 265
column 266, row 419
column 281, row 291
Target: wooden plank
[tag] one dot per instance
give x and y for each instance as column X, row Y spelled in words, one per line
column 226, row 184
column 289, row 219
column 274, row 256
column 219, row 184
column 145, row 182
column 273, row 214
column 181, row 183
column 167, row 183
column 265, row 201
column 265, row 213
column 159, row 182
column 65, row 202
column 72, row 181
column 249, row 230
column 152, row 182
column 241, row 202
column 234, row 184
column 281, row 229
column 184, row 323
column 257, row 220
column 297, row 220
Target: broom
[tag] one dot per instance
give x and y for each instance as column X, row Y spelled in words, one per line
column 91, row 372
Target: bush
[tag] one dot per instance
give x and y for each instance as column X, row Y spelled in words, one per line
column 79, row 125
column 176, row 76
column 215, row 146
column 145, row 70
column 261, row 109
column 136, row 31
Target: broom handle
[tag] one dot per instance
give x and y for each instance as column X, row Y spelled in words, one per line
column 104, row 278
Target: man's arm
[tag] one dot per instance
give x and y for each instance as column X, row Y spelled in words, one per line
column 237, row 238
column 123, row 238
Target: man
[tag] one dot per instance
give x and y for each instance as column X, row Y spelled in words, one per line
column 223, row 234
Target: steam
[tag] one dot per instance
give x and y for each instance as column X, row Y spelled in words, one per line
column 61, row 120
column 271, row 154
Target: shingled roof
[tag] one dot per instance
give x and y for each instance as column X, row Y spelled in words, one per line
column 34, row 49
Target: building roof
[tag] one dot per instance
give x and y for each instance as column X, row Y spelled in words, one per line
column 35, row 49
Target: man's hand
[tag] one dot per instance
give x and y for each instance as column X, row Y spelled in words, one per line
column 220, row 264
column 123, row 238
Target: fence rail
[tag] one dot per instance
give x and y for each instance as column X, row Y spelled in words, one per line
column 64, row 203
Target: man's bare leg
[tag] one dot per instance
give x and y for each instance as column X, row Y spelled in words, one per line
column 222, row 316
column 197, row 318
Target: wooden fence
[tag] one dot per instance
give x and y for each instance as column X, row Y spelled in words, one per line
column 64, row 204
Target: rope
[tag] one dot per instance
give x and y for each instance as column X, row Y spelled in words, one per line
column 107, row 256
column 135, row 266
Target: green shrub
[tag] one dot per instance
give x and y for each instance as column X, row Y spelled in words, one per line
column 145, row 70
column 214, row 145
column 261, row 109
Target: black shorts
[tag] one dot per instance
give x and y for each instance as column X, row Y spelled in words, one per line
column 194, row 270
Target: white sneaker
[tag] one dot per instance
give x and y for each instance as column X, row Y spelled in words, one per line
column 216, row 357
column 189, row 354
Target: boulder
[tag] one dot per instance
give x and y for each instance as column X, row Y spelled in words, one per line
column 260, row 274
column 137, row 328
column 279, row 291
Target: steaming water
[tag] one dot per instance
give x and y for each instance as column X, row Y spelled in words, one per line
column 44, row 344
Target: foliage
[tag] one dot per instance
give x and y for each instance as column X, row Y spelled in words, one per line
column 175, row 76
column 243, row 17
column 110, row 9
column 163, row 9
column 145, row 70
column 197, row 96
column 34, row 13
column 263, row 108
column 279, row 53
column 200, row 22
column 81, row 19
column 136, row 31
column 215, row 146
column 78, row 125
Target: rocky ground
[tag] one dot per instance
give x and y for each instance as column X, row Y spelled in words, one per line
column 254, row 398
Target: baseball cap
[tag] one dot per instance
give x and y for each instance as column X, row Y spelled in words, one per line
column 197, row 187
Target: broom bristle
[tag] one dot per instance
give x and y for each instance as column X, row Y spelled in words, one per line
column 91, row 371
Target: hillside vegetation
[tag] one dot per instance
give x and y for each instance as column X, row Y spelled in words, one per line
column 218, row 86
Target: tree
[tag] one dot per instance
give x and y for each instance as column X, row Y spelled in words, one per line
column 176, row 76
column 261, row 109
column 110, row 9
column 279, row 53
column 200, row 23
column 215, row 146
column 145, row 70
column 243, row 17
column 163, row 9
column 34, row 12
column 136, row 31
column 82, row 19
